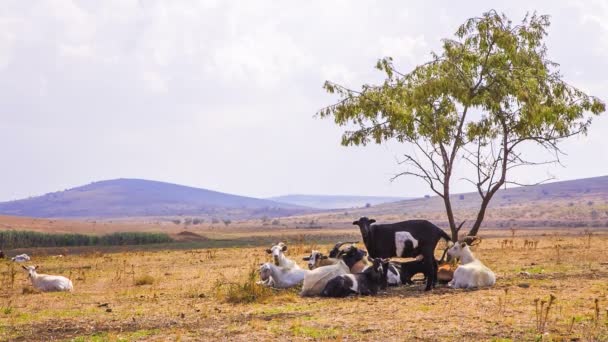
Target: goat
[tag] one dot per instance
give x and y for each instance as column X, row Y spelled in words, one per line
column 280, row 260
column 356, row 259
column 472, row 273
column 279, row 257
column 317, row 259
column 316, row 280
column 403, row 239
column 47, row 283
column 282, row 277
column 364, row 283
column 392, row 274
column 21, row 258
column 336, row 251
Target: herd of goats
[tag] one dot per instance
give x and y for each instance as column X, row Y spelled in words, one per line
column 351, row 270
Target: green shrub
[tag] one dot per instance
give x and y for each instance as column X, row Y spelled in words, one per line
column 24, row 239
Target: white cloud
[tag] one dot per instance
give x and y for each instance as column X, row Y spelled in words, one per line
column 222, row 94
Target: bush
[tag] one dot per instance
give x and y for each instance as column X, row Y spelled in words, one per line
column 247, row 291
column 145, row 279
column 25, row 239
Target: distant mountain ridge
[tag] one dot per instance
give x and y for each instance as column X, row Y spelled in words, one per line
column 138, row 197
column 335, row 201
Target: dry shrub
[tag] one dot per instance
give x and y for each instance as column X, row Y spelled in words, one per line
column 247, row 291
column 145, row 279
column 28, row 290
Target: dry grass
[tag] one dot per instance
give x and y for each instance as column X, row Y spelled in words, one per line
column 192, row 296
column 145, row 279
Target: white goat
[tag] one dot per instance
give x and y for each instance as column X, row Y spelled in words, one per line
column 282, row 277
column 21, row 258
column 471, row 273
column 47, row 283
column 315, row 280
column 280, row 260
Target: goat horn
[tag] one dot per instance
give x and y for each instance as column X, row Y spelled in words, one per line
column 461, row 224
column 340, row 243
column 472, row 240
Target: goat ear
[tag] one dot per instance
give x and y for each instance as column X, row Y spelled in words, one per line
column 36, row 267
column 269, row 251
column 25, row 268
column 284, row 248
column 355, row 223
column 306, row 258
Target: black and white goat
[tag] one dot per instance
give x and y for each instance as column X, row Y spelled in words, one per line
column 404, row 239
column 317, row 259
column 364, row 283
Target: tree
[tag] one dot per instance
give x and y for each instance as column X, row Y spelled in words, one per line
column 488, row 94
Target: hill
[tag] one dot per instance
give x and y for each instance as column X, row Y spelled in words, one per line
column 334, row 202
column 141, row 198
column 573, row 203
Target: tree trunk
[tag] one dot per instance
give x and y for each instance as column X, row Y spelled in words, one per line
column 448, row 209
column 448, row 204
column 480, row 216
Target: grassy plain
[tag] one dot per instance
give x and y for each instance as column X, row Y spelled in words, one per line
column 184, row 295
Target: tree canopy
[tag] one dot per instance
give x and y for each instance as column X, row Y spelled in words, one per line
column 490, row 90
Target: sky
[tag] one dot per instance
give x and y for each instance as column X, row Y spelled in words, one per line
column 222, row 94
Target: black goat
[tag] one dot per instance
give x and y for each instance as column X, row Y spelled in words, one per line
column 404, row 239
column 365, row 283
column 410, row 268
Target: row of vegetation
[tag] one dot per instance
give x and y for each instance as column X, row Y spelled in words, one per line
column 23, row 239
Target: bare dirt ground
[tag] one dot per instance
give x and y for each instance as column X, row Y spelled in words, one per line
column 182, row 295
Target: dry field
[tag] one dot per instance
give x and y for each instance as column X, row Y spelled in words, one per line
column 186, row 295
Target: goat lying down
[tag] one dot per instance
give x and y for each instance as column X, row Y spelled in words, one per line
column 48, row 283
column 364, row 283
column 472, row 273
column 21, row 258
column 282, row 277
column 283, row 264
column 316, row 280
